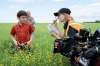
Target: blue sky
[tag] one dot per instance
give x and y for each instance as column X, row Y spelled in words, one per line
column 42, row 10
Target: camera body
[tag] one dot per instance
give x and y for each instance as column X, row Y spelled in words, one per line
column 71, row 47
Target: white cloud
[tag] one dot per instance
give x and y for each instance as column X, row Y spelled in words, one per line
column 96, row 4
column 12, row 6
column 96, row 0
column 58, row 0
column 20, row 1
column 88, row 12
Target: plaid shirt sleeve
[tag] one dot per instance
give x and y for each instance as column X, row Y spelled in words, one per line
column 13, row 31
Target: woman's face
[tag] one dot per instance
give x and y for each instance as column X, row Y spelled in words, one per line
column 61, row 17
column 64, row 17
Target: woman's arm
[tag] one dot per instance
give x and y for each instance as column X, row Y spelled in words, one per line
column 54, row 29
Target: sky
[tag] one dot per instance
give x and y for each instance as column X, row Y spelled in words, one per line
column 42, row 10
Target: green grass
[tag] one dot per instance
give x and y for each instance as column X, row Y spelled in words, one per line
column 42, row 54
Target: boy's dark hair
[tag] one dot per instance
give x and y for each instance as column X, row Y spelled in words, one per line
column 22, row 13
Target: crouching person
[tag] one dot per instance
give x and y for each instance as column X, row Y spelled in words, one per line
column 21, row 33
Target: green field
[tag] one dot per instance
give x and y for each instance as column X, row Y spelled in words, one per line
column 42, row 54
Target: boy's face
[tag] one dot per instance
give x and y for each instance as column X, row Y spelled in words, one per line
column 23, row 19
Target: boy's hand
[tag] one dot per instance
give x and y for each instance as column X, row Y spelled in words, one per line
column 28, row 43
column 16, row 42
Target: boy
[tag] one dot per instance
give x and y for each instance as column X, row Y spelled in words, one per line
column 22, row 31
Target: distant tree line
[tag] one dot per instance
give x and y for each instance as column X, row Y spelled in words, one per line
column 97, row 21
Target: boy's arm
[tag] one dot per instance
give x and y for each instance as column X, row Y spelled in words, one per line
column 12, row 33
column 29, row 42
column 31, row 31
column 14, row 40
